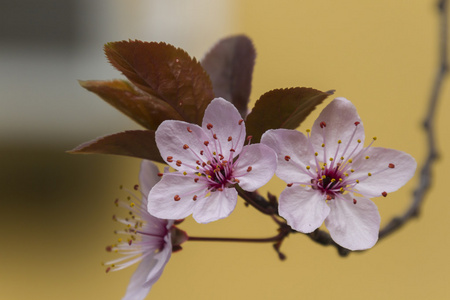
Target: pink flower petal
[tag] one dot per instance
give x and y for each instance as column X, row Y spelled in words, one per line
column 353, row 226
column 293, row 154
column 384, row 178
column 180, row 141
column 147, row 273
column 304, row 209
column 339, row 118
column 148, row 177
column 257, row 164
column 217, row 206
column 225, row 119
column 161, row 199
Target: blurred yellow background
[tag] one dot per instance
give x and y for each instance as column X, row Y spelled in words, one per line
column 55, row 209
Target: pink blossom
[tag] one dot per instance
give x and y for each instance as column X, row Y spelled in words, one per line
column 210, row 160
column 149, row 239
column 331, row 176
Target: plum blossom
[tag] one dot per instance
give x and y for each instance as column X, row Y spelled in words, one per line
column 331, row 176
column 209, row 161
column 150, row 240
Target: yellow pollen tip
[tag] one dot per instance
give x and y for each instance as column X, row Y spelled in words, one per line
column 323, row 176
column 323, row 168
column 367, row 157
column 374, row 138
column 132, row 204
column 214, row 153
column 340, row 179
column 316, row 154
column 308, row 167
column 370, row 174
column 209, row 176
column 350, row 161
column 119, row 240
column 339, row 142
column 357, row 180
column 342, row 158
column 198, row 168
column 352, row 170
column 308, row 130
column 359, row 141
column 323, row 145
column 333, row 180
column 341, row 189
column 331, row 159
column 345, row 174
column 184, row 173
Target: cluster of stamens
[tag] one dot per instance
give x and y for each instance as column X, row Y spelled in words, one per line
column 212, row 169
column 333, row 174
column 132, row 246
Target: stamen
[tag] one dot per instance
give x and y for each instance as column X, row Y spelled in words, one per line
column 249, row 169
column 289, row 184
column 323, row 124
column 240, row 121
column 189, row 129
column 287, row 158
column 230, row 138
column 391, row 166
column 206, row 143
column 357, row 123
column 354, row 201
column 384, row 194
column 209, row 126
column 178, row 163
column 185, row 147
column 170, row 158
column 176, row 198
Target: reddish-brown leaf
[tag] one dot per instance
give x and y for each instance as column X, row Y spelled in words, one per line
column 135, row 143
column 282, row 108
column 230, row 66
column 143, row 108
column 165, row 72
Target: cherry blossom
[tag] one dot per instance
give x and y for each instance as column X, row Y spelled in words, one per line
column 149, row 239
column 209, row 161
column 330, row 176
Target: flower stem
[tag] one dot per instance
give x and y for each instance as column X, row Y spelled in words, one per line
column 275, row 238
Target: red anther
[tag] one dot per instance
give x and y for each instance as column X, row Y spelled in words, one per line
column 194, row 198
column 209, row 126
column 109, row 248
column 178, row 163
column 249, row 169
column 198, row 162
column 249, row 138
column 221, row 156
column 136, row 187
column 236, row 180
column 215, row 136
column 289, row 184
column 196, row 179
column 189, row 129
column 232, row 150
column 220, row 189
column 323, row 124
column 160, row 174
column 129, row 242
column 384, row 194
column 329, row 197
column 207, row 172
column 116, row 202
column 240, row 121
column 108, row 269
column 176, row 198
column 354, row 201
column 185, row 146
column 287, row 158
column 391, row 166
column 357, row 123
column 170, row 158
column 206, row 143
column 203, row 164
column 230, row 138
column 201, row 152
